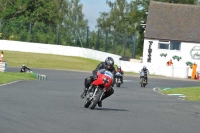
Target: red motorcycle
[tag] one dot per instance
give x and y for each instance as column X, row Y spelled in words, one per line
column 98, row 87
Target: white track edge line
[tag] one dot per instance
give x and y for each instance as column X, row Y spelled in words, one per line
column 10, row 83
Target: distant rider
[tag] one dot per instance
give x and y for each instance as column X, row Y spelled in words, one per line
column 146, row 72
column 24, row 68
column 121, row 72
column 108, row 65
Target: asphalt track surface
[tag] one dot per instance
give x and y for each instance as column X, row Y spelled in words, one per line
column 54, row 106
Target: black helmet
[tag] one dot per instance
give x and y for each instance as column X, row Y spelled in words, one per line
column 109, row 63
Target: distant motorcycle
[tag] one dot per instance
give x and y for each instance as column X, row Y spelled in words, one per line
column 143, row 81
column 118, row 77
column 98, row 87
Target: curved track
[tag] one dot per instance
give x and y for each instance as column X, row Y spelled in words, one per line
column 54, row 106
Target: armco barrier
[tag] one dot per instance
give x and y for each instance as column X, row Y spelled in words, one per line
column 3, row 66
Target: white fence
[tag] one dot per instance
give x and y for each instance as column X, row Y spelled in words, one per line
column 168, row 71
column 174, row 71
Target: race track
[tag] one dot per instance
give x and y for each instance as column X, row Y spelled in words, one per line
column 54, row 106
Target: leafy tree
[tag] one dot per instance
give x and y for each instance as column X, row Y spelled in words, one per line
column 62, row 22
column 73, row 26
column 117, row 19
column 122, row 19
column 44, row 21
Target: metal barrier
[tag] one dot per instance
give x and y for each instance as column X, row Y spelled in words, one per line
column 3, row 66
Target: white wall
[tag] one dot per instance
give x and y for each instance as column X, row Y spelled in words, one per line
column 157, row 67
column 184, row 53
column 56, row 49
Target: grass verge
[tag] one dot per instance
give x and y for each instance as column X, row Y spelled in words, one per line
column 35, row 60
column 191, row 93
column 6, row 77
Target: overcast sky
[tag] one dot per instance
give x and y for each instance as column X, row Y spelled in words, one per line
column 92, row 9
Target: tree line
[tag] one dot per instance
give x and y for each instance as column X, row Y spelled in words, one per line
column 62, row 22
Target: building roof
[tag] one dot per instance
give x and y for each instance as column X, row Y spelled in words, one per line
column 177, row 22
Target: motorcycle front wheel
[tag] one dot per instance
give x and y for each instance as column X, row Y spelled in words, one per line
column 142, row 82
column 96, row 98
column 87, row 103
column 118, row 84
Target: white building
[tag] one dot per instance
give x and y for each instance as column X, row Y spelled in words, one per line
column 172, row 32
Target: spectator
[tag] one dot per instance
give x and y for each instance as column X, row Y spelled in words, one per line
column 170, row 63
column 194, row 71
column 1, row 56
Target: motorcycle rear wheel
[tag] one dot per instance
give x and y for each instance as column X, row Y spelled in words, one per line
column 96, row 98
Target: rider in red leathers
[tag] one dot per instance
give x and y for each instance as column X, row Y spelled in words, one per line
column 108, row 65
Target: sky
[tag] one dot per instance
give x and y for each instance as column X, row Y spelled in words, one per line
column 92, row 9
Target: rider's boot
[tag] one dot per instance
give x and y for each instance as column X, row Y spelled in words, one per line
column 99, row 103
column 84, row 93
column 122, row 80
column 105, row 95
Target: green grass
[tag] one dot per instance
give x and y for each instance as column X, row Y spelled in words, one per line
column 191, row 93
column 35, row 60
column 6, row 77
